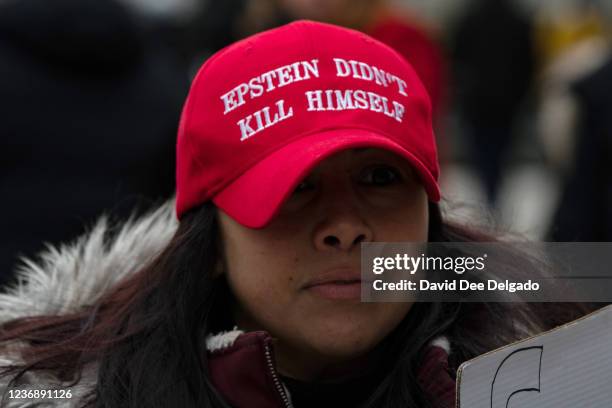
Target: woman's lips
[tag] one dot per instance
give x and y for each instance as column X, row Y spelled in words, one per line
column 343, row 283
column 337, row 290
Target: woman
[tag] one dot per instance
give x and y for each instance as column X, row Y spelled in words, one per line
column 295, row 146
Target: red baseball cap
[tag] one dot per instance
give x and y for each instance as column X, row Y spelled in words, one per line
column 262, row 112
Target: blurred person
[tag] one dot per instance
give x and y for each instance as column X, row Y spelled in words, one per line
column 557, row 111
column 252, row 299
column 572, row 43
column 585, row 210
column 89, row 107
column 493, row 60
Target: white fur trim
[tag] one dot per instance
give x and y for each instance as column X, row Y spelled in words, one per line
column 71, row 276
column 222, row 340
column 442, row 342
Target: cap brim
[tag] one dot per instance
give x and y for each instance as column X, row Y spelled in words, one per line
column 254, row 198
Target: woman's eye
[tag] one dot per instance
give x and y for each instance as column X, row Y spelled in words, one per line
column 380, row 176
column 304, row 185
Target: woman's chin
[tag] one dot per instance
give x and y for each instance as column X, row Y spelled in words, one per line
column 342, row 340
column 343, row 332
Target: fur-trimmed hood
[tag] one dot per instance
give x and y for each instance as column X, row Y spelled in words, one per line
column 69, row 277
column 66, row 278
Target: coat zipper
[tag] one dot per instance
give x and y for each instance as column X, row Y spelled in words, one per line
column 277, row 382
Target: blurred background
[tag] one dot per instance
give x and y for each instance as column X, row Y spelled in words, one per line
column 91, row 93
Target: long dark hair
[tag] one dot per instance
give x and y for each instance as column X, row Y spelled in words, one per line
column 146, row 337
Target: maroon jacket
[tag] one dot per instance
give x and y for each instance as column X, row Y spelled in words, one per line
column 244, row 371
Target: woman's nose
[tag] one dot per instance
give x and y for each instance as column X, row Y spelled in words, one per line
column 342, row 228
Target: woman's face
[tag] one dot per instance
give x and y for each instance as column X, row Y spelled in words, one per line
column 298, row 277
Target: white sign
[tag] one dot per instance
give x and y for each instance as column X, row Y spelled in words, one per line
column 568, row 367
